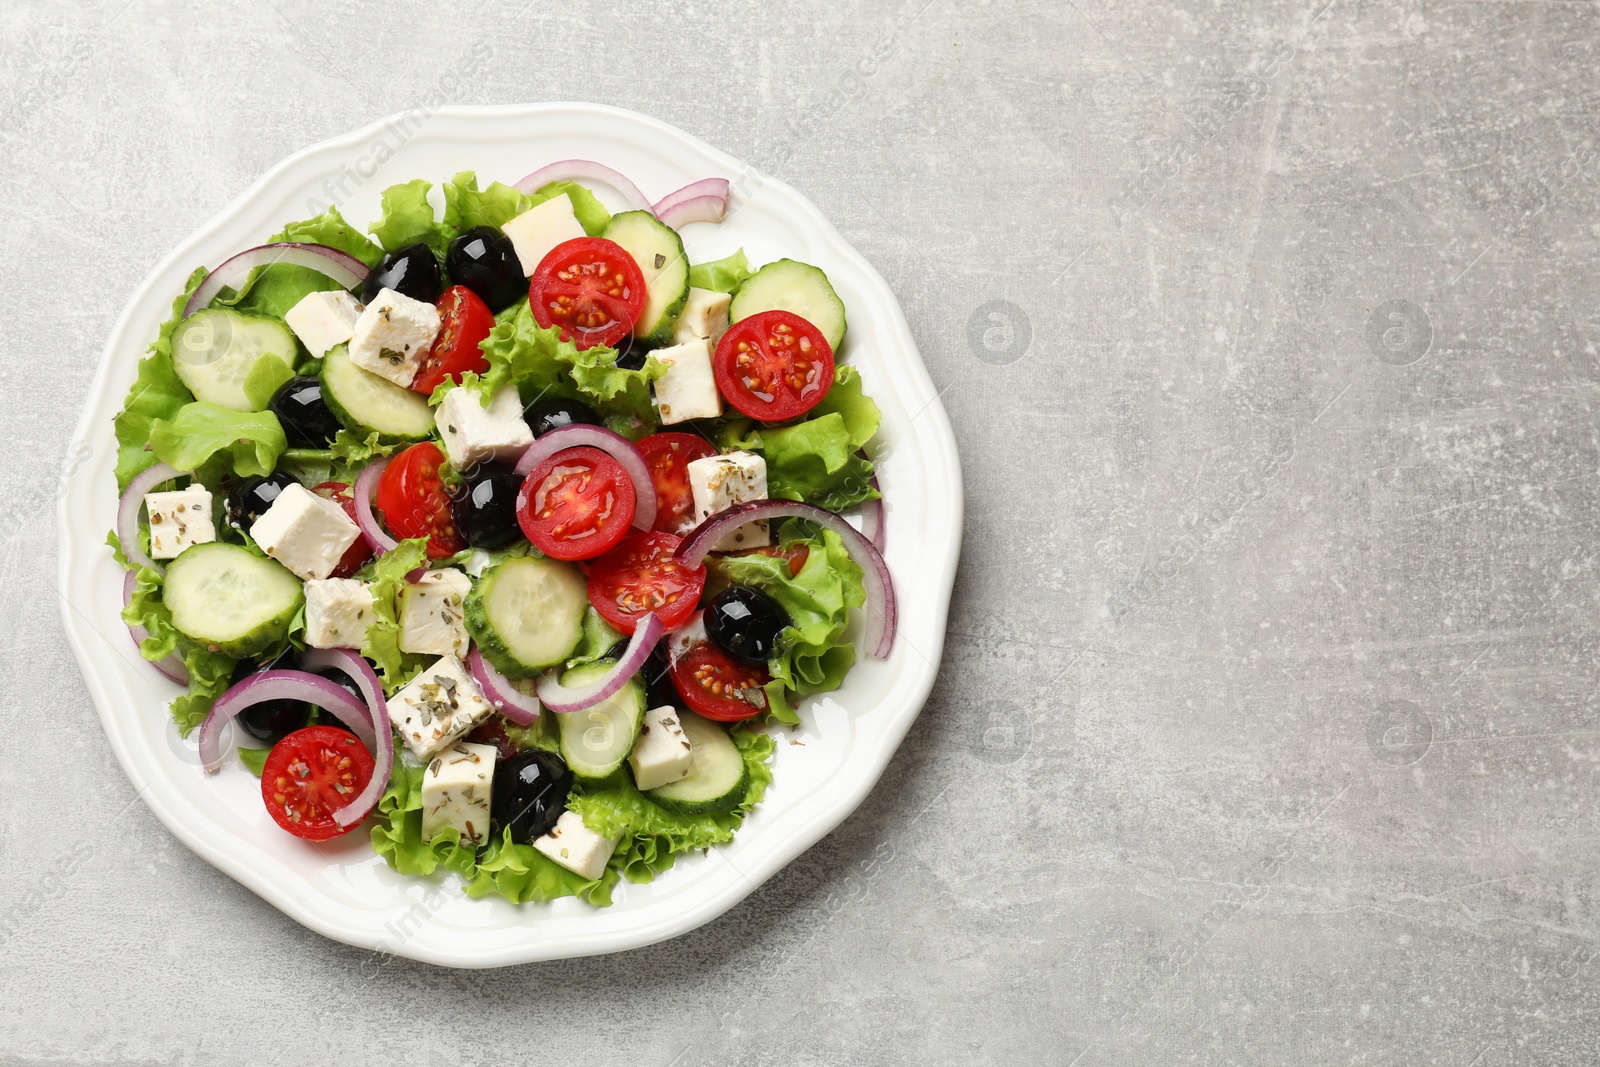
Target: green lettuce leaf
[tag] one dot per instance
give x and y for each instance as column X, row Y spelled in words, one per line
column 330, row 228
column 249, row 442
column 253, row 758
column 517, row 872
column 382, row 642
column 397, row 834
column 522, row 874
column 274, row 290
column 157, row 393
column 723, row 275
column 210, row 673
column 408, row 219
column 859, row 412
column 819, row 461
column 466, row 206
column 540, row 364
column 812, row 654
column 650, row 835
column 592, row 215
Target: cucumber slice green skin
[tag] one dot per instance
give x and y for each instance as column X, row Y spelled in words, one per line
column 526, row 614
column 231, row 359
column 364, row 403
column 596, row 740
column 789, row 285
column 226, row 598
column 717, row 775
column 651, row 242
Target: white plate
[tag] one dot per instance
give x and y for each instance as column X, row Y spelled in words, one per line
column 342, row 890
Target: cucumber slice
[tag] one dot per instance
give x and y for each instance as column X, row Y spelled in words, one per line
column 227, row 598
column 233, row 360
column 789, row 285
column 658, row 250
column 527, row 614
column 596, row 740
column 364, row 402
column 717, row 774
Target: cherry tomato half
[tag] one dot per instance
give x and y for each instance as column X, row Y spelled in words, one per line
column 589, row 287
column 412, row 499
column 640, row 575
column 773, row 366
column 356, row 556
column 577, row 504
column 310, row 774
column 668, row 456
column 715, row 686
column 464, row 323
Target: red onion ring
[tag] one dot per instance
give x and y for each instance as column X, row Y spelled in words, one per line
column 695, row 209
column 882, row 612
column 366, row 679
column 366, row 482
column 615, row 445
column 582, row 170
column 345, row 269
column 280, row 685
column 128, row 513
column 712, row 189
column 877, row 530
column 502, row 692
column 561, row 700
column 172, row 666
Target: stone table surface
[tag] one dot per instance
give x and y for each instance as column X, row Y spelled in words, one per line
column 1266, row 730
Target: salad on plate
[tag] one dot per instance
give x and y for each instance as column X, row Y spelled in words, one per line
column 502, row 530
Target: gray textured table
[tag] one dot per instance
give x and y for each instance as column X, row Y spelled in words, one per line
column 1266, row 731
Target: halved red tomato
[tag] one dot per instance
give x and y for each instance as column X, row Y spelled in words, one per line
column 309, row 775
column 717, row 687
column 589, row 287
column 464, row 322
column 668, row 456
column 356, row 556
column 773, row 366
column 640, row 575
column 412, row 499
column 577, row 504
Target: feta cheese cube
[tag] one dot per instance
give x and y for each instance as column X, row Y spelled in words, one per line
column 305, row 532
column 392, row 335
column 455, row 792
column 179, row 519
column 437, row 706
column 432, row 619
column 688, row 390
column 705, row 314
column 338, row 612
column 322, row 320
column 663, row 753
column 718, row 483
column 474, row 434
column 539, row 229
column 576, row 847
